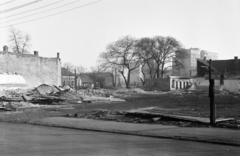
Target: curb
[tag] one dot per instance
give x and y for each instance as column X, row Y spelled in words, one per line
column 195, row 139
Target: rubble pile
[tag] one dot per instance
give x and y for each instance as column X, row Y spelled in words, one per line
column 71, row 96
column 230, row 124
column 120, row 116
column 13, row 93
column 137, row 91
column 119, row 92
column 43, row 94
column 101, row 114
column 131, row 91
column 115, row 93
column 14, row 106
column 96, row 92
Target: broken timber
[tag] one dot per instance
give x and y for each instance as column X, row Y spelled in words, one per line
column 185, row 118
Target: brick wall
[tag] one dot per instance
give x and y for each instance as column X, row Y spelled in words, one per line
column 34, row 69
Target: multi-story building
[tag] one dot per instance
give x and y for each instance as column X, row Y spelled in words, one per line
column 194, row 54
column 189, row 62
column 208, row 55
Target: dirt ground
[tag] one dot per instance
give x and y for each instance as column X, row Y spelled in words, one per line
column 176, row 103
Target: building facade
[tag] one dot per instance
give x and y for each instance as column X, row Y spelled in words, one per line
column 208, row 55
column 35, row 70
column 189, row 63
column 226, row 73
column 68, row 78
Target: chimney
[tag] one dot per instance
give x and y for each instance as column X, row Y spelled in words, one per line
column 5, row 48
column 36, row 53
column 58, row 55
column 236, row 63
column 204, row 58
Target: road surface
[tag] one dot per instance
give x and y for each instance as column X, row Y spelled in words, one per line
column 31, row 140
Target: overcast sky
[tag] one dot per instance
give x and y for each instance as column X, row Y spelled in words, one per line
column 85, row 31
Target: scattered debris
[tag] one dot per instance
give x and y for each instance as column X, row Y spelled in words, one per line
column 87, row 101
column 165, row 119
column 47, row 90
column 43, row 94
column 154, row 112
column 156, row 119
column 14, row 100
column 14, row 106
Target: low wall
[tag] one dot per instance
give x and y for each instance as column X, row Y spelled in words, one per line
column 162, row 84
column 232, row 85
column 203, row 84
column 178, row 82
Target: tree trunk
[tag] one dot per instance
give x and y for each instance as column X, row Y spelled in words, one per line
column 114, row 80
column 143, row 82
column 128, row 79
column 143, row 79
column 150, row 70
column 125, row 80
column 158, row 72
column 162, row 70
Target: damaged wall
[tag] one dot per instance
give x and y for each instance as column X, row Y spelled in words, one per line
column 34, row 69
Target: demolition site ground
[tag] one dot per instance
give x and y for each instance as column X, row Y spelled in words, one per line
column 99, row 105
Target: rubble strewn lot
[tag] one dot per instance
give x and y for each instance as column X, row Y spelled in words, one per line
column 45, row 101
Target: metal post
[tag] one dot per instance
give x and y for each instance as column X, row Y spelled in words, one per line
column 211, row 96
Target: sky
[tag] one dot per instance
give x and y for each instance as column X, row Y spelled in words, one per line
column 81, row 29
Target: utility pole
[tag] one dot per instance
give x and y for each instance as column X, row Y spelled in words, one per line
column 75, row 80
column 212, row 96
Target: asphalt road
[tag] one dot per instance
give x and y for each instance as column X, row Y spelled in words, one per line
column 31, row 140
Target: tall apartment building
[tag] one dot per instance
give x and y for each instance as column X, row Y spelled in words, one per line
column 190, row 62
column 208, row 55
column 194, row 54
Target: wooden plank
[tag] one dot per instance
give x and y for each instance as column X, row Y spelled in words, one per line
column 186, row 118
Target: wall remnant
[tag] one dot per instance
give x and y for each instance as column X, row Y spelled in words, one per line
column 11, row 80
column 167, row 84
column 34, row 69
column 232, row 85
column 162, row 84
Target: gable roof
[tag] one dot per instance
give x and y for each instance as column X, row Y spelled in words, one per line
column 66, row 72
column 222, row 66
column 206, row 63
column 226, row 66
column 104, row 74
column 85, row 78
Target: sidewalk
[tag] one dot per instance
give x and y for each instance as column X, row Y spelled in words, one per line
column 210, row 135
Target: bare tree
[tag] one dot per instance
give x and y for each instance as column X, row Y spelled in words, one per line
column 164, row 52
column 157, row 54
column 19, row 43
column 69, row 66
column 72, row 68
column 80, row 69
column 123, row 56
column 145, row 47
column 26, row 43
column 99, row 75
column 180, row 55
